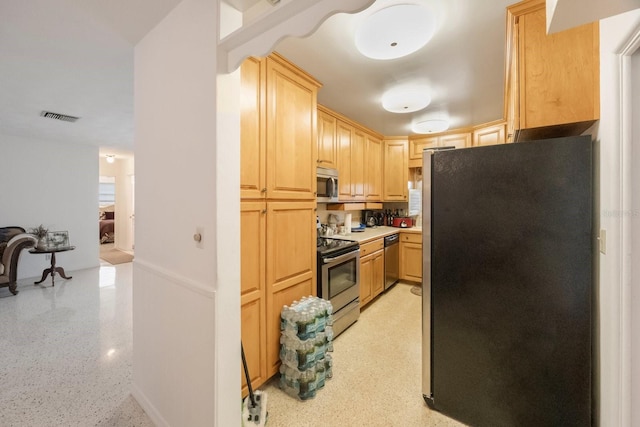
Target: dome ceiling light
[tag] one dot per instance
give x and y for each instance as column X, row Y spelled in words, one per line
column 395, row 31
column 430, row 126
column 406, row 99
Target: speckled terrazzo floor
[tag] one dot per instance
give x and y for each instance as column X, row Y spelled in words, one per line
column 65, row 352
column 65, row 360
column 376, row 374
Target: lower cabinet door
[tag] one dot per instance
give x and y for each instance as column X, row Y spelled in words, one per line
column 411, row 261
column 252, row 291
column 253, row 342
column 366, row 279
column 275, row 302
column 377, row 284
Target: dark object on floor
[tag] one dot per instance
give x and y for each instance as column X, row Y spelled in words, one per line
column 416, row 290
column 254, row 406
column 115, row 256
column 12, row 241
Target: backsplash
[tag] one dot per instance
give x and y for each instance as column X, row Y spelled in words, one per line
column 356, row 216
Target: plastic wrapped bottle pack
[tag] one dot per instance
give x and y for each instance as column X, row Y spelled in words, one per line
column 305, row 340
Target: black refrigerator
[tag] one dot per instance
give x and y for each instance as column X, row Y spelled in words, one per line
column 508, row 283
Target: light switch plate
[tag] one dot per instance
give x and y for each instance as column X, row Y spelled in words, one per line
column 602, row 241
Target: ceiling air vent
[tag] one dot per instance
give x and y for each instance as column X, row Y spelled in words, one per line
column 58, row 116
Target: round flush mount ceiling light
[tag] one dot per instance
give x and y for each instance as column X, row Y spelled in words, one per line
column 395, row 31
column 430, row 126
column 406, row 99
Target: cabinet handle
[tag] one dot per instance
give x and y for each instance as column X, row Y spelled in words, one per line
column 315, row 193
column 264, row 211
column 318, row 161
column 264, row 190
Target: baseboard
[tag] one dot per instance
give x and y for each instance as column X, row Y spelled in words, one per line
column 151, row 410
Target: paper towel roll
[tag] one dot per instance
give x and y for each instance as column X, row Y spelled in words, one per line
column 347, row 222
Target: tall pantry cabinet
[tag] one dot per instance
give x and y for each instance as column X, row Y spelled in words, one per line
column 278, row 201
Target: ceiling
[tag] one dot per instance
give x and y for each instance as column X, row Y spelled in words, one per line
column 463, row 64
column 75, row 57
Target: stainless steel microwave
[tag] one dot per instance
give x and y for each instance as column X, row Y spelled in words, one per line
column 327, row 185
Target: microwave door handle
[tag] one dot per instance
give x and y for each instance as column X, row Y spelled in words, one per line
column 333, row 188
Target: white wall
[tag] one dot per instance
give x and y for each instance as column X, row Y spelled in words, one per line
column 635, row 262
column 176, row 280
column 53, row 184
column 186, row 296
column 614, row 353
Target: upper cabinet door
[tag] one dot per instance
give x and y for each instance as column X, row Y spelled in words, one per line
column 396, row 170
column 373, row 170
column 357, row 165
column 351, row 158
column 555, row 80
column 252, row 137
column 327, row 147
column 291, row 132
column 417, row 145
column 489, row 135
column 344, row 135
column 457, row 140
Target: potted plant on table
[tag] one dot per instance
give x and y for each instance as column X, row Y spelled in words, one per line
column 40, row 232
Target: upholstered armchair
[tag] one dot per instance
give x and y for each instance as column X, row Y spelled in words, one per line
column 12, row 241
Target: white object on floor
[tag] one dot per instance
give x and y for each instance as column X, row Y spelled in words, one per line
column 255, row 416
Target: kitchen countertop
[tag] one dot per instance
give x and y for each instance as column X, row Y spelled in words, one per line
column 373, row 233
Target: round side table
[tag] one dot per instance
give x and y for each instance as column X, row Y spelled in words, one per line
column 53, row 269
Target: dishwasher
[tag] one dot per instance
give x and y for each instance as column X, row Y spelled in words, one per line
column 391, row 260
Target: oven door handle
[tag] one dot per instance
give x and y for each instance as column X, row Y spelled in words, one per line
column 341, row 257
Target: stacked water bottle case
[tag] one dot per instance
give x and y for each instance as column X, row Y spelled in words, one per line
column 306, row 338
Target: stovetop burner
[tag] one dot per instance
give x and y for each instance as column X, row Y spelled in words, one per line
column 326, row 245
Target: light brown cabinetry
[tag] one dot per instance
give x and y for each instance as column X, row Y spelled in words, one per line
column 373, row 168
column 396, row 170
column 278, row 266
column 291, row 265
column 291, row 131
column 351, row 156
column 278, row 132
column 278, row 184
column 377, row 285
column 490, row 134
column 416, row 145
column 252, row 290
column 411, row 257
column 253, row 175
column 455, row 139
column 371, row 270
column 327, row 147
column 552, row 80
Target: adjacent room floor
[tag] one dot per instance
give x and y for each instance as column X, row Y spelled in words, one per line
column 65, row 360
column 65, row 351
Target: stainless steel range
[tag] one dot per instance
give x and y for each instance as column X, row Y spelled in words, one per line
column 339, row 280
